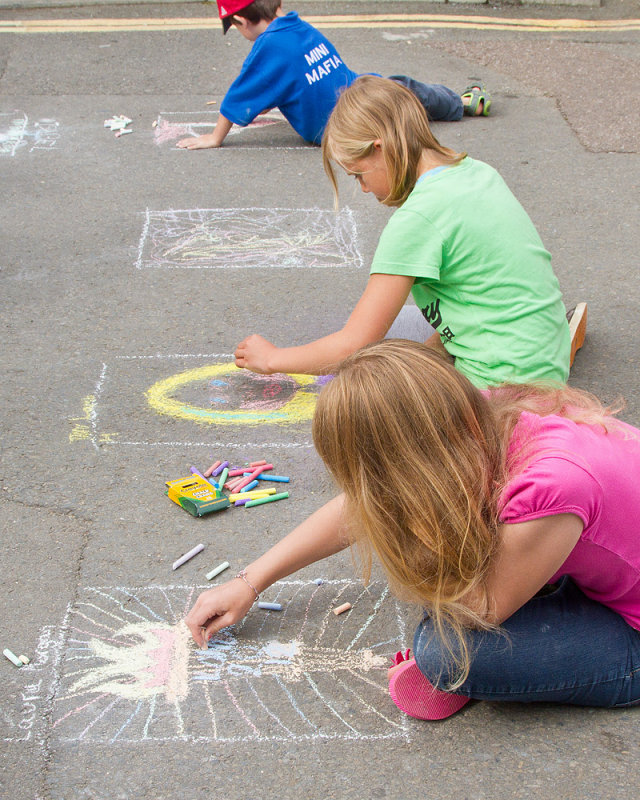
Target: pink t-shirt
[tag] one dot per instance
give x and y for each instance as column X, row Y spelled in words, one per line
column 578, row 469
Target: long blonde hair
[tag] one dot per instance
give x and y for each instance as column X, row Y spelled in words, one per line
column 375, row 108
column 421, row 456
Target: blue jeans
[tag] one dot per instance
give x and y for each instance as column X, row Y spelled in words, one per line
column 441, row 104
column 559, row 648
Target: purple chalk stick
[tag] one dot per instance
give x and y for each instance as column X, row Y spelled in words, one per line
column 219, row 469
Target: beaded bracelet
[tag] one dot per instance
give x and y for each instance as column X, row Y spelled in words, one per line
column 243, row 576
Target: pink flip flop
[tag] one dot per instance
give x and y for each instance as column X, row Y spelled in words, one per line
column 414, row 695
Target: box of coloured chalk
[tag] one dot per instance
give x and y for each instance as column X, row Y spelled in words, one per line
column 196, row 495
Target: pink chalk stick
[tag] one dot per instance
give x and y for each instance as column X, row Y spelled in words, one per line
column 250, row 477
column 211, row 468
column 257, row 463
column 236, row 471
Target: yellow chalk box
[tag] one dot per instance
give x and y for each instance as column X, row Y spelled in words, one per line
column 196, row 495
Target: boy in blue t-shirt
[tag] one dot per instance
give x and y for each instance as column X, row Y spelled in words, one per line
column 294, row 68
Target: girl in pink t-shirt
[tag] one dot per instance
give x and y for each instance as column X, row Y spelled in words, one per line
column 475, row 502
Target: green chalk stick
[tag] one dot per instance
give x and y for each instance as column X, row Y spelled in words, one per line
column 270, row 499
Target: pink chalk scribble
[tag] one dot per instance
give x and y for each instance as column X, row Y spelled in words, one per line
column 171, row 126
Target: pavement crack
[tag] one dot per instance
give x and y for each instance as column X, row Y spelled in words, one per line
column 60, row 511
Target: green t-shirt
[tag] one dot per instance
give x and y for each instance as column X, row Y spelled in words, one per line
column 483, row 278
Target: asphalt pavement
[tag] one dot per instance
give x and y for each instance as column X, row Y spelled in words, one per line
column 130, row 270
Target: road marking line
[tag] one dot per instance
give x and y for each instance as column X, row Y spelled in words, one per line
column 526, row 25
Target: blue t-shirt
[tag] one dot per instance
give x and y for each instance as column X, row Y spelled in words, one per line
column 294, row 68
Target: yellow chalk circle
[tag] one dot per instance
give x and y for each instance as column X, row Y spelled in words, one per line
column 161, row 397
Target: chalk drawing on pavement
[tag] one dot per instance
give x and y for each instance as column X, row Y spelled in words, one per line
column 16, row 132
column 173, row 125
column 205, row 389
column 127, row 671
column 248, row 238
column 236, row 396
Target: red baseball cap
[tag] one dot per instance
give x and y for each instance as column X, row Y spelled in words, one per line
column 227, row 8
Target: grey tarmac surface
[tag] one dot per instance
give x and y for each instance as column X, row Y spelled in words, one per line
column 122, row 302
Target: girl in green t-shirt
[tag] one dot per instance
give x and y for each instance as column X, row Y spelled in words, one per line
column 459, row 241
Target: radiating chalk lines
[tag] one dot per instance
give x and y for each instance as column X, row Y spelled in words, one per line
column 248, row 238
column 128, row 671
column 216, row 394
column 17, row 132
column 173, row 125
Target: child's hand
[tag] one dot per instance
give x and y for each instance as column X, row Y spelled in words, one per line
column 199, row 142
column 253, row 353
column 218, row 608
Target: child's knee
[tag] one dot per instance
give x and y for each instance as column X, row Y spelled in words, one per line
column 433, row 658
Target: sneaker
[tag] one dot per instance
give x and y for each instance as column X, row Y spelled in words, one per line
column 577, row 319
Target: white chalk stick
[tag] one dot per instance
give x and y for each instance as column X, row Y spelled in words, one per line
column 220, row 568
column 183, row 559
column 13, row 658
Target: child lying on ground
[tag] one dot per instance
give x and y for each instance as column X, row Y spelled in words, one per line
column 296, row 69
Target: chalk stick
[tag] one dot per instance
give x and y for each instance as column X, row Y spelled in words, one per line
column 13, row 658
column 215, row 472
column 250, row 486
column 222, row 477
column 250, row 477
column 270, row 499
column 207, row 472
column 257, row 469
column 276, row 478
column 195, row 471
column 341, row 609
column 217, row 570
column 270, row 606
column 242, row 502
column 237, row 471
column 25, row 659
column 183, row 559
column 257, row 463
column 252, row 495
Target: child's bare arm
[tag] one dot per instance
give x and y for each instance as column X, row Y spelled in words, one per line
column 370, row 320
column 319, row 536
column 530, row 554
column 214, row 139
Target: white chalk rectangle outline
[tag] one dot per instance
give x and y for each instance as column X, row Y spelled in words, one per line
column 344, row 231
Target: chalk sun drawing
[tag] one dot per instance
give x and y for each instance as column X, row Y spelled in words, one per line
column 174, row 125
column 237, row 396
column 248, row 238
column 129, row 671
